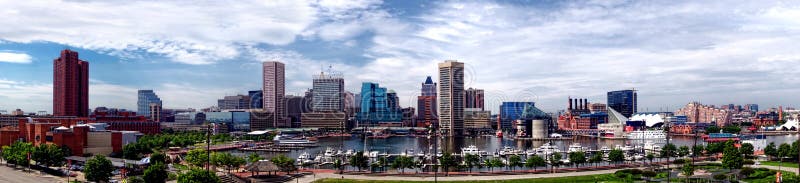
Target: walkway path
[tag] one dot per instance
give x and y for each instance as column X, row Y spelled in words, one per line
column 788, row 169
column 311, row 178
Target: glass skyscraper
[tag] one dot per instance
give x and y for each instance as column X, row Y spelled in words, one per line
column 256, row 100
column 327, row 93
column 623, row 101
column 146, row 97
column 378, row 105
column 510, row 111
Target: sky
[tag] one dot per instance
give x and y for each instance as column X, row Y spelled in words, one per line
column 195, row 52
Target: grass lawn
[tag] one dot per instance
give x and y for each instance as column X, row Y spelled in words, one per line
column 607, row 178
column 775, row 163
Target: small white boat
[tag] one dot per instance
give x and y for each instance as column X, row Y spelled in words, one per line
column 329, row 152
column 373, row 154
column 471, row 149
column 506, row 151
column 652, row 147
column 349, row 152
column 605, row 149
column 575, row 147
column 304, row 158
column 546, row 148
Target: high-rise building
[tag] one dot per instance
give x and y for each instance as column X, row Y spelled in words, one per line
column 328, row 89
column 623, row 101
column 256, row 99
column 699, row 113
column 274, row 90
column 426, row 104
column 511, row 111
column 70, row 85
column 154, row 112
column 473, row 98
column 147, row 97
column 377, row 105
column 234, row 102
column 451, row 97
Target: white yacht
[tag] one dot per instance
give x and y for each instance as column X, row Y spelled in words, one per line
column 575, row 147
column 506, row 151
column 530, row 153
column 546, row 148
column 304, row 158
column 373, row 154
column 278, row 139
column 471, row 149
column 329, row 152
column 647, row 134
column 605, row 149
column 349, row 152
column 652, row 147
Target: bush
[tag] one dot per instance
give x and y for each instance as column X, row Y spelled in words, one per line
column 720, row 176
column 746, row 171
column 650, row 174
column 749, row 162
column 679, row 161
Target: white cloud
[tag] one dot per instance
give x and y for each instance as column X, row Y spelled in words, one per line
column 13, row 57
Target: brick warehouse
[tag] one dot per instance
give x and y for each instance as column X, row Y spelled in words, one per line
column 80, row 137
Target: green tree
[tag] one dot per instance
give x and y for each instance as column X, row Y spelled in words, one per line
column 17, row 153
column 535, row 161
column 197, row 157
column 770, row 150
column 714, row 148
column 382, row 162
column 697, row 150
column 359, row 161
column 158, row 157
column 784, row 151
column 616, row 156
column 668, row 150
column 338, row 165
column 447, row 161
column 731, row 129
column 747, row 150
column 650, row 157
column 48, row 155
column 712, row 129
column 731, row 158
column 496, row 162
column 577, row 158
column 196, row 175
column 596, row 158
column 687, row 170
column 253, row 157
column 403, row 162
column 227, row 160
column 514, row 161
column 555, row 160
column 683, row 151
column 98, row 169
column 156, row 173
column 471, row 160
column 284, row 163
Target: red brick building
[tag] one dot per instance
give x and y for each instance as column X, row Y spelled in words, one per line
column 70, row 85
column 127, row 121
column 73, row 133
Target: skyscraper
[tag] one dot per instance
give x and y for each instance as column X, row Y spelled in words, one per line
column 234, row 102
column 510, row 111
column 274, row 91
column 473, row 98
column 623, row 101
column 70, row 85
column 451, row 97
column 426, row 104
column 328, row 89
column 256, row 99
column 377, row 105
column 147, row 97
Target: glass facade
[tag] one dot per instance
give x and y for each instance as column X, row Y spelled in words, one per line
column 256, row 100
column 378, row 105
column 623, row 101
column 510, row 111
column 235, row 121
column 146, row 97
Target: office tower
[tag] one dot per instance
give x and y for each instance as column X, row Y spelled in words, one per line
column 473, row 98
column 154, row 112
column 426, row 104
column 234, row 102
column 70, row 85
column 274, row 90
column 328, row 89
column 147, row 97
column 510, row 111
column 377, row 105
column 451, row 98
column 256, row 99
column 623, row 101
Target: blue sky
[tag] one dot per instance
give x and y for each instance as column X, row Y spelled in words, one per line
column 192, row 53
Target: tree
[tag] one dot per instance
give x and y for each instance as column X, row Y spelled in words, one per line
column 227, row 160
column 131, row 151
column 284, row 163
column 687, row 170
column 747, row 150
column 616, row 156
column 17, row 153
column 715, row 148
column 731, row 158
column 196, row 175
column 447, row 161
column 577, row 158
column 555, row 160
column 668, row 151
column 514, row 161
column 338, row 165
column 48, row 155
column 697, row 150
column 731, row 129
column 650, row 157
column 770, row 150
column 253, row 157
column 535, row 161
column 495, row 162
column 98, row 169
column 382, row 162
column 683, row 151
column 197, row 157
column 158, row 157
column 403, row 162
column 359, row 161
column 471, row 160
column 596, row 158
column 156, row 173
column 784, row 151
column 712, row 129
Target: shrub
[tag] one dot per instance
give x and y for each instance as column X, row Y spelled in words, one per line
column 749, row 162
column 720, row 176
column 746, row 171
column 679, row 161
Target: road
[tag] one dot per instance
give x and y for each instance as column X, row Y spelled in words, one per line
column 8, row 174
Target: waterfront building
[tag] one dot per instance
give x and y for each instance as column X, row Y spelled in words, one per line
column 378, row 105
column 451, row 98
column 699, row 113
column 473, row 98
column 597, row 108
column 409, row 117
column 234, row 102
column 569, row 120
column 261, row 120
column 623, row 101
column 327, row 92
column 763, row 119
column 325, row 120
column 274, row 91
column 751, row 107
column 510, row 111
column 154, row 111
column 70, row 85
column 256, row 99
column 295, row 106
column 532, row 122
column 615, row 126
column 426, row 104
column 476, row 119
column 145, row 98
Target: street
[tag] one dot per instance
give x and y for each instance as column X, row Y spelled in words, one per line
column 9, row 174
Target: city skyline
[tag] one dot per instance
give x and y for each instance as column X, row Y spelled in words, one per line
column 724, row 56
